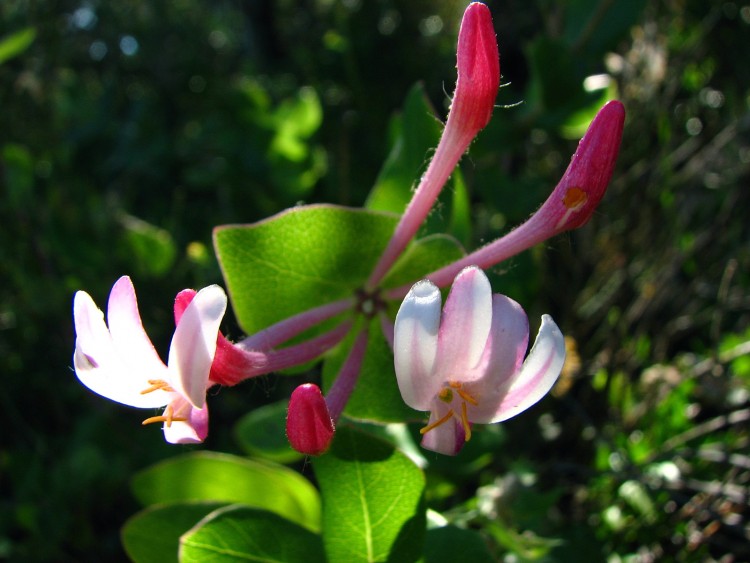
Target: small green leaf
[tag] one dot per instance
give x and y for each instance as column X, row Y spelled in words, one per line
column 221, row 477
column 239, row 533
column 373, row 504
column 151, row 249
column 262, row 432
column 417, row 133
column 153, row 535
column 16, row 43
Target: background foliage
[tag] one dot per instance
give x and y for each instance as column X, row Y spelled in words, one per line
column 128, row 130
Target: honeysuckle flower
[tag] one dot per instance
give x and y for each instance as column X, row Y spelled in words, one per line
column 478, row 66
column 119, row 361
column 467, row 365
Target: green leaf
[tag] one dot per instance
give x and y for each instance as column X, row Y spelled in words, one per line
column 417, row 133
column 16, row 43
column 150, row 248
column 153, row 535
column 450, row 544
column 373, row 504
column 237, row 533
column 299, row 259
column 262, row 432
column 221, row 477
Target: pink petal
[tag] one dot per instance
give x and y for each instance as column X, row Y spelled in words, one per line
column 504, row 354
column 309, row 426
column 192, row 431
column 415, row 338
column 101, row 367
column 194, row 344
column 537, row 375
column 465, row 325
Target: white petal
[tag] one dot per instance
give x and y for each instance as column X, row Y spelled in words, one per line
column 538, row 373
column 191, row 431
column 130, row 339
column 465, row 325
column 415, row 337
column 100, row 366
column 194, row 344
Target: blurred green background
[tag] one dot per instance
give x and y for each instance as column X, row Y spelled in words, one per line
column 129, row 129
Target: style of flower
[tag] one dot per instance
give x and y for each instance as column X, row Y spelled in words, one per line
column 467, row 365
column 120, row 363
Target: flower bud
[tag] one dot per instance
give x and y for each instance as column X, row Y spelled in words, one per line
column 309, row 427
column 478, row 64
column 582, row 187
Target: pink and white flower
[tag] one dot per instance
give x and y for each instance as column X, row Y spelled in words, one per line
column 466, row 365
column 120, row 363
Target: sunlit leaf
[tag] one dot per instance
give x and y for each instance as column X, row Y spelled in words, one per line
column 153, row 535
column 221, row 477
column 239, row 533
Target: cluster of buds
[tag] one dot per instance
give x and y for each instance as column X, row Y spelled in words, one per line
column 464, row 362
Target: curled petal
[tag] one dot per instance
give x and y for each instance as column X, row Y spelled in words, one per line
column 415, row 338
column 538, row 373
column 465, row 325
column 194, row 344
column 192, row 430
column 101, row 366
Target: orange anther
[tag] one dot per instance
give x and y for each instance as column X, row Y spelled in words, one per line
column 166, row 417
column 465, row 422
column 157, row 384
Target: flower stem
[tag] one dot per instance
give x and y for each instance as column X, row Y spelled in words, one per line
column 342, row 388
column 284, row 330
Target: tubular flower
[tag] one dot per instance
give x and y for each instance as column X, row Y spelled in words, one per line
column 120, row 363
column 309, row 426
column 467, row 365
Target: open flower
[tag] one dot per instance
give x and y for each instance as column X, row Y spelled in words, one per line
column 467, row 365
column 121, row 364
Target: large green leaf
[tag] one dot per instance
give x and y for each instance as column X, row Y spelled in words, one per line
column 373, row 506
column 220, row 477
column 299, row 259
column 239, row 533
column 153, row 535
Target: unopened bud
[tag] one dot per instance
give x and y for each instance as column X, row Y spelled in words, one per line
column 478, row 64
column 309, row 427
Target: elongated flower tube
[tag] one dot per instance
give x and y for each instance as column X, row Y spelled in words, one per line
column 120, row 363
column 570, row 205
column 478, row 65
column 466, row 365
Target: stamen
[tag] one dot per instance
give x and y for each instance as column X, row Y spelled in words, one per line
column 166, row 417
column 464, row 395
column 465, row 422
column 437, row 423
column 157, row 384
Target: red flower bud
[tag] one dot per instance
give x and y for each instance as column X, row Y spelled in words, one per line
column 478, row 64
column 309, row 427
